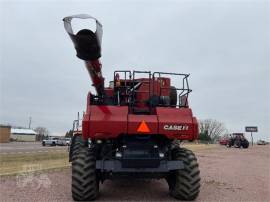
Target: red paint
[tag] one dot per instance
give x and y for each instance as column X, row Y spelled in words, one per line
column 94, row 70
column 105, row 122
column 111, row 121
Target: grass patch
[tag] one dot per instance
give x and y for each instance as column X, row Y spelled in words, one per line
column 21, row 163
column 11, row 164
column 198, row 147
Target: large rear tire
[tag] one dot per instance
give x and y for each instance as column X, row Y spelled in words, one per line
column 245, row 144
column 85, row 184
column 184, row 184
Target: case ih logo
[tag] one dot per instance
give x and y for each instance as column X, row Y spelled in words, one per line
column 175, row 127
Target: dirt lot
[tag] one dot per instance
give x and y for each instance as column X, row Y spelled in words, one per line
column 227, row 175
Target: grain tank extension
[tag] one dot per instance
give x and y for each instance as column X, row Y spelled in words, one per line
column 133, row 127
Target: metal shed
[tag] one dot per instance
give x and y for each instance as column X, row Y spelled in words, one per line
column 25, row 135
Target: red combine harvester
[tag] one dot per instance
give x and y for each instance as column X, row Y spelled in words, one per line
column 133, row 127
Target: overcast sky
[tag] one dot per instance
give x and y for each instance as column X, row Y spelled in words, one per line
column 224, row 45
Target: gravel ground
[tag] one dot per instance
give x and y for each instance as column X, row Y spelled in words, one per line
column 227, row 175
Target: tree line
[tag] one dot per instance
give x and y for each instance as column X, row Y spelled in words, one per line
column 43, row 133
column 211, row 130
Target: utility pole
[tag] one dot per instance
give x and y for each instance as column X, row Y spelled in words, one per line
column 30, row 121
column 251, row 138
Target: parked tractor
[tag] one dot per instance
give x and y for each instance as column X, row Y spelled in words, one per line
column 238, row 140
column 131, row 129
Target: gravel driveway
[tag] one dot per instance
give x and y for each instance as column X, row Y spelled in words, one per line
column 227, row 175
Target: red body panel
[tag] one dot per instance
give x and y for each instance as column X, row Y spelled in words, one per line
column 105, row 122
column 176, row 123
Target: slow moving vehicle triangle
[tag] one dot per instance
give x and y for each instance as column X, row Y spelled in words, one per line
column 143, row 128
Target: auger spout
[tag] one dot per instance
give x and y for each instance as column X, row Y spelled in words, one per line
column 88, row 47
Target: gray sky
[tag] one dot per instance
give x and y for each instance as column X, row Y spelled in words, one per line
column 224, row 45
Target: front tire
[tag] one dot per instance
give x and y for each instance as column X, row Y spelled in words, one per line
column 184, row 184
column 76, row 144
column 85, row 185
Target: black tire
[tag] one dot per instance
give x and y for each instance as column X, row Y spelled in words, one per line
column 43, row 144
column 237, row 145
column 85, row 184
column 245, row 144
column 76, row 144
column 231, row 143
column 173, row 96
column 184, row 184
column 53, row 144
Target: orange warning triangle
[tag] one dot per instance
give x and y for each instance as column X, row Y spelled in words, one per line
column 143, row 128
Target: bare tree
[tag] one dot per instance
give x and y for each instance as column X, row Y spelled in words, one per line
column 213, row 128
column 41, row 133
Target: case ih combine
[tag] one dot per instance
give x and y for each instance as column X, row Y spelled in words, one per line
column 133, row 127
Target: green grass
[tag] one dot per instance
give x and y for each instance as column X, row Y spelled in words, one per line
column 19, row 163
column 198, row 147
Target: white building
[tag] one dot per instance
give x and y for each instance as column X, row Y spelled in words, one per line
column 25, row 135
